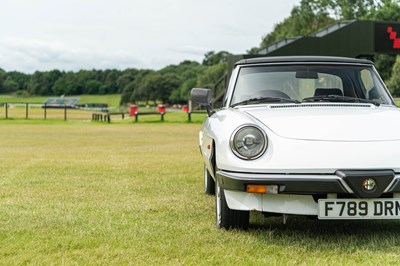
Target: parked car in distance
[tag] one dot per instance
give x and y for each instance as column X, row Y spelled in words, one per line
column 314, row 136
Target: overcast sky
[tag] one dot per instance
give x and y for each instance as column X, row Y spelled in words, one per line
column 100, row 34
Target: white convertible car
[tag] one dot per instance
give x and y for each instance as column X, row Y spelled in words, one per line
column 315, row 136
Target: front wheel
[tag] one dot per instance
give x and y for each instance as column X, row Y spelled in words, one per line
column 209, row 183
column 227, row 218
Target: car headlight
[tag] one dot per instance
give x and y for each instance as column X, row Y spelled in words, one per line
column 248, row 142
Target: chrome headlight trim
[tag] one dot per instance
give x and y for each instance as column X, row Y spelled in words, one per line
column 235, row 149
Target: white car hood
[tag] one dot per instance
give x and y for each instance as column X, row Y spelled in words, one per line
column 329, row 121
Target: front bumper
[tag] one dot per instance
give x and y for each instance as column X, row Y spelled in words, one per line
column 299, row 193
column 305, row 184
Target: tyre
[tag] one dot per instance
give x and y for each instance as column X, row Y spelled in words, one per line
column 227, row 218
column 209, row 183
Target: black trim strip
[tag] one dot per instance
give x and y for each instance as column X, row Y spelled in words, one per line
column 288, row 184
column 309, row 184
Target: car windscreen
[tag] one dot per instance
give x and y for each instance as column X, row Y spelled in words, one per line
column 307, row 82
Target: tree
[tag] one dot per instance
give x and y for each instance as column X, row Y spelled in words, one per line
column 2, row 78
column 92, row 86
column 110, row 82
column 9, row 85
column 127, row 93
column 67, row 85
column 126, row 77
column 188, row 72
column 157, row 86
column 386, row 10
column 308, row 17
column 211, row 58
column 181, row 94
column 42, row 83
column 351, row 9
column 20, row 78
column 394, row 81
column 211, row 75
column 167, row 84
column 170, row 84
column 132, row 91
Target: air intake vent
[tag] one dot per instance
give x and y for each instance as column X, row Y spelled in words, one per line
column 319, row 105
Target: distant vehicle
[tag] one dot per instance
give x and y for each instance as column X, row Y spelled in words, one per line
column 315, row 136
column 60, row 102
column 103, row 107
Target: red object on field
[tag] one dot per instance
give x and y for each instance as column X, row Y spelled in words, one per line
column 133, row 110
column 185, row 108
column 162, row 108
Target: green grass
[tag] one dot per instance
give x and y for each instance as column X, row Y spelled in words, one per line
column 18, row 111
column 110, row 99
column 169, row 117
column 118, row 194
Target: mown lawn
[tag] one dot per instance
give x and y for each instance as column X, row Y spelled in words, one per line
column 36, row 112
column 110, row 99
column 116, row 194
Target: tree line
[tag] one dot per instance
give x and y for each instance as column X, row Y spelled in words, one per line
column 57, row 82
column 173, row 83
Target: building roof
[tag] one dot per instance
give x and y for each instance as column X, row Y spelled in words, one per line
column 300, row 59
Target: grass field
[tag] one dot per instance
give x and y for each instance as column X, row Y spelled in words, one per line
column 19, row 112
column 110, row 99
column 116, row 194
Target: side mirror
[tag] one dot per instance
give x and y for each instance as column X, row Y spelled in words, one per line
column 202, row 97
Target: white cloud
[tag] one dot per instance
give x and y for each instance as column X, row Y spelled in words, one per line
column 28, row 55
column 191, row 50
column 85, row 34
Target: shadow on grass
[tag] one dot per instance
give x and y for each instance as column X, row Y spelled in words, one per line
column 314, row 234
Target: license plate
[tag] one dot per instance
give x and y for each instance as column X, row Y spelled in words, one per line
column 359, row 209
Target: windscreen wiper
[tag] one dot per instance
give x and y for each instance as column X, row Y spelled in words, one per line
column 265, row 100
column 338, row 98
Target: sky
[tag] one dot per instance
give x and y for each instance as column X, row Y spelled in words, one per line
column 71, row 35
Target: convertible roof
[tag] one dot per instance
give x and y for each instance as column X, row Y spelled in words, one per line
column 300, row 59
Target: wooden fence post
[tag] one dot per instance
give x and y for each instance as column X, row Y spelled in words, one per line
column 65, row 112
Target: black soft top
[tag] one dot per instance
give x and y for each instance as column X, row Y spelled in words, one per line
column 305, row 59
